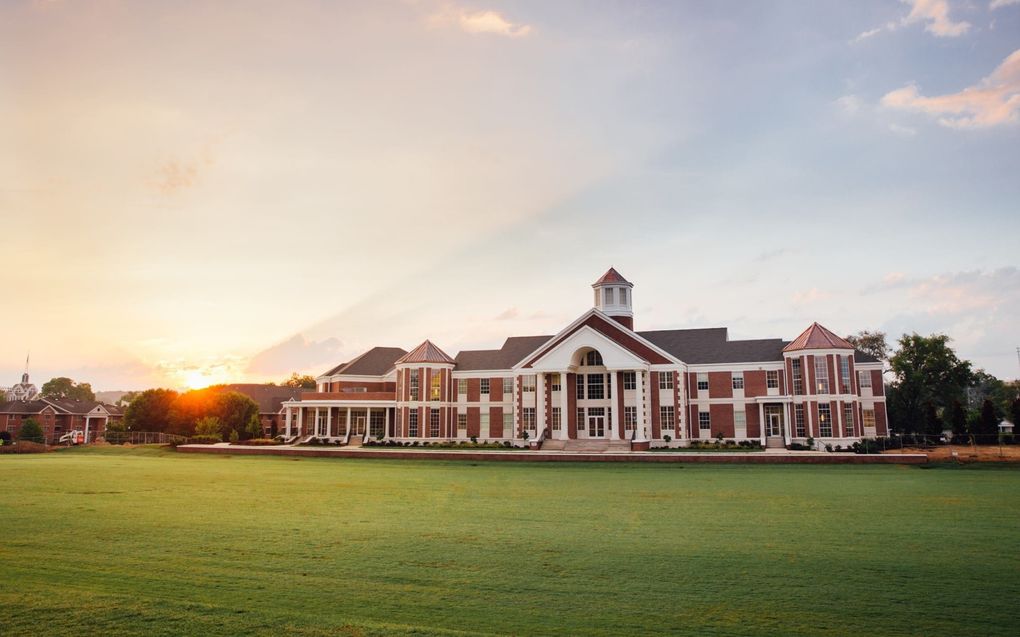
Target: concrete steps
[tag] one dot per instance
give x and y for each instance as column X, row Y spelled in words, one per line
column 775, row 443
column 594, row 446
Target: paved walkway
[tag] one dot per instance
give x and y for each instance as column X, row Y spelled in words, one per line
column 771, row 456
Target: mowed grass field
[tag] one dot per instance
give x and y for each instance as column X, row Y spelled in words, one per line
column 109, row 541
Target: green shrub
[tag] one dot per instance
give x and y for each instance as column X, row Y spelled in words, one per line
column 31, row 432
column 206, row 439
column 667, row 438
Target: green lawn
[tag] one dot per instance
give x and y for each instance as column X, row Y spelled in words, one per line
column 145, row 541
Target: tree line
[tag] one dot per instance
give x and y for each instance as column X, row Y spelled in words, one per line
column 931, row 390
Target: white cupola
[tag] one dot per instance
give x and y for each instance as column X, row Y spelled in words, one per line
column 614, row 297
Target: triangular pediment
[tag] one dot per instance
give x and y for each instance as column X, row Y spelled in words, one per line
column 620, row 347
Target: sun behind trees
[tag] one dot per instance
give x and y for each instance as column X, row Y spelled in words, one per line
column 169, row 411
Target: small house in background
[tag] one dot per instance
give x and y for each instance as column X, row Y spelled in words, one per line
column 1005, row 427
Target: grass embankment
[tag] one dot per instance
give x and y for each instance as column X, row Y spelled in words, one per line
column 117, row 542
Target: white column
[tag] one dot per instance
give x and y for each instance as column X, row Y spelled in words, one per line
column 564, row 406
column 787, row 410
column 329, row 422
column 348, row 423
column 839, row 419
column 315, row 426
column 614, row 424
column 761, row 422
column 539, row 404
column 301, row 421
column 87, row 420
column 639, row 426
column 386, row 424
column 287, row 421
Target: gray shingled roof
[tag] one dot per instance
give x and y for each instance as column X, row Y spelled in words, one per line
column 22, row 406
column 513, row 351
column 375, row 362
column 711, row 345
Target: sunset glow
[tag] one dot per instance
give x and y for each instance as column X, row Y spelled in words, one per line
column 195, row 193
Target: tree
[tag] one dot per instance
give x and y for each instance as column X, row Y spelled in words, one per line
column 870, row 343
column 932, row 423
column 988, row 423
column 304, row 382
column 150, row 410
column 233, row 410
column 927, row 371
column 1014, row 413
column 958, row 422
column 64, row 388
column 209, row 426
column 127, row 398
column 31, row 431
column 255, row 427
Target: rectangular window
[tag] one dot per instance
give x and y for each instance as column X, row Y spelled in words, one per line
column 864, row 379
column 462, row 422
column 434, row 423
column 528, row 417
column 508, row 424
column 738, row 380
column 462, row 386
column 798, row 418
column 580, row 418
column 798, row 377
column 702, row 381
column 579, row 384
column 844, row 374
column 868, row 416
column 629, row 418
column 848, row 420
column 412, row 423
column 739, row 421
column 596, row 387
column 483, row 423
column 554, row 382
column 484, row 386
column 665, row 380
column 667, row 418
column 629, row 380
column 414, row 384
column 704, row 420
column 825, row 420
column 772, row 379
column 436, row 389
column 508, row 387
column 821, row 375
column 528, row 383
column 623, row 296
column 608, row 295
column 555, row 417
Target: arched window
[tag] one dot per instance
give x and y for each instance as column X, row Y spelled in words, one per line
column 593, row 358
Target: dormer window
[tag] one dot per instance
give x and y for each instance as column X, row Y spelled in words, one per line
column 609, row 296
column 623, row 296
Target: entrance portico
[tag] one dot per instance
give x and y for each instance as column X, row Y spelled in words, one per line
column 596, row 404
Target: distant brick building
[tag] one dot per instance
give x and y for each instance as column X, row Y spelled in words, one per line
column 599, row 379
column 57, row 417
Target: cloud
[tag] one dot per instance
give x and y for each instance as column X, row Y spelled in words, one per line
column 849, row 104
column 296, row 354
column 810, row 296
column 998, row 4
column 903, row 131
column 508, row 314
column 479, row 22
column 176, row 175
column 934, row 14
column 992, row 101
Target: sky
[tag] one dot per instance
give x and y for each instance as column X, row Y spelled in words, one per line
column 197, row 192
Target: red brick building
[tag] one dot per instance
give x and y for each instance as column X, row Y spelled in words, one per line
column 58, row 417
column 600, row 379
